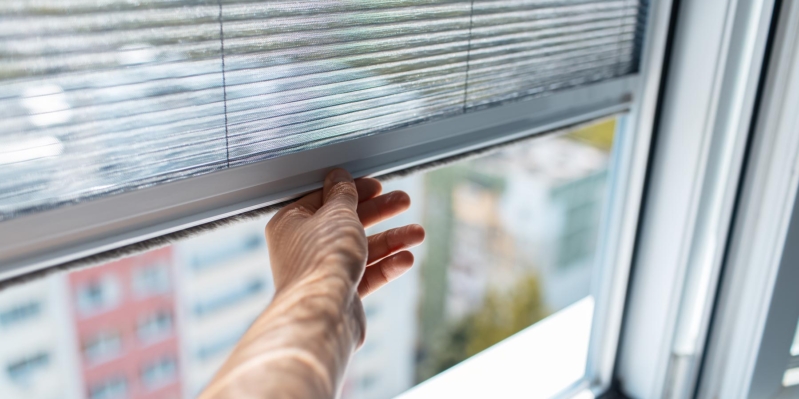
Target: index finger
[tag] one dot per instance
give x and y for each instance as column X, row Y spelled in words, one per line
column 339, row 190
column 367, row 187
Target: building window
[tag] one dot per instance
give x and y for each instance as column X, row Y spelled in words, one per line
column 155, row 326
column 112, row 388
column 102, row 347
column 220, row 345
column 22, row 371
column 580, row 201
column 151, row 280
column 229, row 297
column 98, row 295
column 159, row 373
column 214, row 256
column 19, row 313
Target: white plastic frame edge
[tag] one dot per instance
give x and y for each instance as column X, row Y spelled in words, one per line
column 707, row 108
column 751, row 338
column 620, row 224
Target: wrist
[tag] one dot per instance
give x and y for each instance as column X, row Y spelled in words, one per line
column 327, row 297
column 305, row 338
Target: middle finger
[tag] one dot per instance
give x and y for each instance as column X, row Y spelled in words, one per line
column 394, row 240
column 383, row 207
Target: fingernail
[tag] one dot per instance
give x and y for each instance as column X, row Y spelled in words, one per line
column 339, row 175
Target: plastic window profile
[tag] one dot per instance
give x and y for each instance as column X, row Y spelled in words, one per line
column 749, row 346
column 706, row 111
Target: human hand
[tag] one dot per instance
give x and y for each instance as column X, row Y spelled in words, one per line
column 321, row 237
column 323, row 264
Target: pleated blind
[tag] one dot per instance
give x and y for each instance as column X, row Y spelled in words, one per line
column 103, row 96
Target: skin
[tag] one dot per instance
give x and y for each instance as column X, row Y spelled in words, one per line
column 323, row 264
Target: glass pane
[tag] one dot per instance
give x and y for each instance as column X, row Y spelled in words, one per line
column 511, row 240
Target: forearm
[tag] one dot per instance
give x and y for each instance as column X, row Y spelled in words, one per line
column 298, row 348
column 322, row 264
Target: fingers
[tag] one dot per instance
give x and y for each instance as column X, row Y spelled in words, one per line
column 384, row 271
column 310, row 202
column 367, row 188
column 339, row 190
column 394, row 240
column 378, row 209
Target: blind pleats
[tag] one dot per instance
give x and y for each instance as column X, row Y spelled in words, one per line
column 102, row 96
column 98, row 97
column 296, row 80
column 520, row 48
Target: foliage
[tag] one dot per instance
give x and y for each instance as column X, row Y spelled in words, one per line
column 502, row 314
column 597, row 134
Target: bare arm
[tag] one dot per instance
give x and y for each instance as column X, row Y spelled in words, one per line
column 323, row 264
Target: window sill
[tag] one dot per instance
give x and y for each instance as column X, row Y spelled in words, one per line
column 540, row 361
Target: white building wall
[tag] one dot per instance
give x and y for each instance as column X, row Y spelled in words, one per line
column 47, row 332
column 207, row 339
column 384, row 367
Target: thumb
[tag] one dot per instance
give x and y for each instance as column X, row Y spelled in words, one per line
column 339, row 190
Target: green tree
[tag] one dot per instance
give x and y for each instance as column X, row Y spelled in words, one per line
column 502, row 314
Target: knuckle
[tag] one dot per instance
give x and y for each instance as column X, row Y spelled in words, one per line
column 383, row 277
column 365, row 286
column 272, row 224
column 344, row 189
column 390, row 237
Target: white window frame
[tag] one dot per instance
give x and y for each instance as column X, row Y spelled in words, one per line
column 628, row 173
column 679, row 311
column 714, row 77
column 664, row 235
column 749, row 345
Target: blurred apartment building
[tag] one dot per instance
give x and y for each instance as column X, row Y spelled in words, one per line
column 554, row 196
column 97, row 333
column 528, row 211
column 41, row 364
column 224, row 283
column 124, row 322
column 158, row 325
column 385, row 366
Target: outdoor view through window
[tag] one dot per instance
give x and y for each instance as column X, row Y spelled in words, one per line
column 511, row 239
